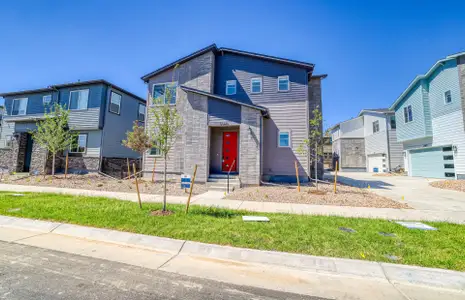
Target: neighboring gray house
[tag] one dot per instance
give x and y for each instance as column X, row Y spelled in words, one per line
column 368, row 142
column 242, row 111
column 431, row 114
column 100, row 112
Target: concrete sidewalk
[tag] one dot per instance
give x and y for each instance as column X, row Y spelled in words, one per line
column 214, row 198
column 309, row 275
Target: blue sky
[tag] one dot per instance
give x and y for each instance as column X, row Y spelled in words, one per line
column 370, row 50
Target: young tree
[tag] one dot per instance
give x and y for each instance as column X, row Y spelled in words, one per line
column 53, row 132
column 313, row 144
column 164, row 124
column 137, row 139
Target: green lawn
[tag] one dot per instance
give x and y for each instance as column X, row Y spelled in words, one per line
column 315, row 235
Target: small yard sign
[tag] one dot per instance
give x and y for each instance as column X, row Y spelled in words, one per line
column 255, row 219
column 416, row 225
column 185, row 181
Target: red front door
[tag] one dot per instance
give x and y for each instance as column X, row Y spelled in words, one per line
column 229, row 151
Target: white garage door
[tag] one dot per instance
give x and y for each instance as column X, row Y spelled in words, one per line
column 377, row 163
column 433, row 162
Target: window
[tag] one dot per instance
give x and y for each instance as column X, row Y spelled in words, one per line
column 79, row 144
column 392, row 120
column 19, row 107
column 447, row 97
column 256, row 85
column 408, row 115
column 283, row 83
column 141, row 113
column 449, row 174
column 155, row 152
column 448, row 166
column 46, row 100
column 115, row 103
column 375, row 126
column 164, row 93
column 447, row 149
column 231, row 87
column 284, row 139
column 78, row 99
column 448, row 157
column 9, row 141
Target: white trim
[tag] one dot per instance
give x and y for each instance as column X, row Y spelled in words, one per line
column 43, row 98
column 288, row 131
column 138, row 112
column 411, row 109
column 164, row 95
column 13, row 105
column 409, row 155
column 373, row 126
column 119, row 105
column 87, row 102
column 153, row 155
column 288, row 83
column 77, row 146
column 444, row 96
column 261, row 85
column 235, row 87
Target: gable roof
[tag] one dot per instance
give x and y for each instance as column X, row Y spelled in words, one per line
column 215, row 49
column 52, row 88
column 423, row 76
column 264, row 110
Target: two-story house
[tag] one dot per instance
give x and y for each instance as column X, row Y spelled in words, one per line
column 368, row 142
column 242, row 112
column 100, row 112
column 430, row 114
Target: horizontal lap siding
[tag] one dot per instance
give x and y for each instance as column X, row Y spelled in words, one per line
column 94, row 139
column 417, row 128
column 7, row 130
column 84, row 119
column 223, row 113
column 352, row 128
column 376, row 143
column 396, row 155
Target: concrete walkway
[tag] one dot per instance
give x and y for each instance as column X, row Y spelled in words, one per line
column 309, row 275
column 214, row 198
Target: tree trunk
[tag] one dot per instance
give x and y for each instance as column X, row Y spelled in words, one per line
column 53, row 164
column 164, row 186
column 316, row 164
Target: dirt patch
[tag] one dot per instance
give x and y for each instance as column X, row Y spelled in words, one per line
column 455, row 185
column 101, row 183
column 388, row 174
column 161, row 212
column 345, row 196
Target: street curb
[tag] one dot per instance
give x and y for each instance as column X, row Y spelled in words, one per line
column 334, row 266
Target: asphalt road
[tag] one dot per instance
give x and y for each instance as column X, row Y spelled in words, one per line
column 33, row 273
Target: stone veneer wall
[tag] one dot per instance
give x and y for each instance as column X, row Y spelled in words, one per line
column 80, row 164
column 250, row 146
column 118, row 167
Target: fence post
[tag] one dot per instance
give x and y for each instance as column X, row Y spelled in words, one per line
column 335, row 179
column 190, row 192
column 153, row 171
column 297, row 176
column 137, row 184
column 129, row 168
column 66, row 165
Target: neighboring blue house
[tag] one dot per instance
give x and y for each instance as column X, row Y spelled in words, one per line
column 430, row 121
column 100, row 112
column 243, row 112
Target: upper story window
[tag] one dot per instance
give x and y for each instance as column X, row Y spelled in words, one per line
column 408, row 114
column 79, row 145
column 164, row 93
column 46, row 100
column 231, row 87
column 78, row 99
column 284, row 138
column 256, row 85
column 283, row 83
column 141, row 113
column 115, row 103
column 19, row 107
column 375, row 126
column 447, row 97
column 392, row 121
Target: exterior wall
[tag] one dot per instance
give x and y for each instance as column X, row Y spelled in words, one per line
column 83, row 164
column 7, row 131
column 375, row 143
column 118, row 168
column 216, row 148
column 250, row 141
column 352, row 128
column 116, row 126
column 353, row 153
column 461, row 72
column 443, row 79
column 222, row 113
column 94, row 139
column 396, row 157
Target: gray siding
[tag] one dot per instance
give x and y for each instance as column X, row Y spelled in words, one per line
column 376, row 143
column 222, row 113
column 7, row 130
column 84, row 119
column 396, row 154
column 116, row 126
column 94, row 140
column 25, row 126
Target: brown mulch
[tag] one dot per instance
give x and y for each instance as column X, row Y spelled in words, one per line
column 455, row 185
column 161, row 212
column 101, row 183
column 345, row 196
column 388, row 174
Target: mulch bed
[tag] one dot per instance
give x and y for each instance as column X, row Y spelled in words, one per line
column 161, row 212
column 102, row 183
column 454, row 185
column 345, row 196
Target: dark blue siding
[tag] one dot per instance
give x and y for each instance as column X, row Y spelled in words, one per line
column 223, row 113
column 243, row 68
column 96, row 94
column 34, row 102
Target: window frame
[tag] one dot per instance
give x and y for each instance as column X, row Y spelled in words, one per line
column 251, row 85
column 120, row 103
column 288, row 84
column 43, row 98
column 409, row 116
column 149, row 154
column 138, row 111
column 445, row 97
column 235, row 87
column 288, row 131
column 87, row 102
column 13, row 106
column 8, row 139
column 391, row 119
column 85, row 150
column 165, row 84
column 377, row 126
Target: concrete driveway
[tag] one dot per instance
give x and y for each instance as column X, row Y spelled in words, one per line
column 416, row 191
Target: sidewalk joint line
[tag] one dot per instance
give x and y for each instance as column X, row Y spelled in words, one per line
column 172, row 257
column 25, row 238
column 393, row 285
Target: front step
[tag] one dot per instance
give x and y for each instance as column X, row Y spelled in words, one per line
column 219, row 182
column 223, row 176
